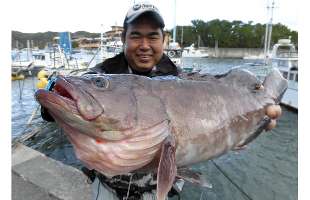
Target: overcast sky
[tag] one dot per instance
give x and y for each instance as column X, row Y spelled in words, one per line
column 65, row 15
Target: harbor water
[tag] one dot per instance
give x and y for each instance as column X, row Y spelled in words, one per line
column 266, row 170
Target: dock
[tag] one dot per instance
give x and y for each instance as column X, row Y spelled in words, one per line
column 36, row 177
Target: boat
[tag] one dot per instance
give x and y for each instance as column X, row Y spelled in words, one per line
column 21, row 67
column 17, row 77
column 192, row 52
column 253, row 57
column 21, row 62
column 285, row 57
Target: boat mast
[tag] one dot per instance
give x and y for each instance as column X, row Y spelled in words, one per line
column 182, row 37
column 268, row 33
column 101, row 42
column 175, row 27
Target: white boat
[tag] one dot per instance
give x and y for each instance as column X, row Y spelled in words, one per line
column 285, row 57
column 253, row 57
column 192, row 52
column 21, row 61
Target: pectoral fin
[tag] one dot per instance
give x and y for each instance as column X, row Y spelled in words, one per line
column 166, row 169
column 262, row 124
column 193, row 177
column 239, row 148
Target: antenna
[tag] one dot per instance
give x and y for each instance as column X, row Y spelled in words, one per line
column 175, row 25
column 268, row 32
column 101, row 41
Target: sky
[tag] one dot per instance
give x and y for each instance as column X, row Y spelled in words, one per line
column 98, row 15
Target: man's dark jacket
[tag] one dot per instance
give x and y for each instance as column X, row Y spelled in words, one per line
column 119, row 65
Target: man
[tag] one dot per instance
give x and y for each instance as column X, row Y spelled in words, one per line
column 143, row 39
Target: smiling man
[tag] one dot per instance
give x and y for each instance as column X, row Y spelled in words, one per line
column 143, row 39
column 143, row 54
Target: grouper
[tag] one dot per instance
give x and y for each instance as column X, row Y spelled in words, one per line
column 126, row 123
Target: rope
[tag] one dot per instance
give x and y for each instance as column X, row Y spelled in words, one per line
column 91, row 60
column 201, row 195
column 98, row 190
column 230, row 180
column 128, row 187
column 34, row 112
column 33, row 84
column 21, row 89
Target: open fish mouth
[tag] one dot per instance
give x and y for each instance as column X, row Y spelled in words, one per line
column 65, row 95
column 59, row 95
column 63, row 89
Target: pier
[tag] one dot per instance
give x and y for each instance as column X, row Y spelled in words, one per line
column 37, row 177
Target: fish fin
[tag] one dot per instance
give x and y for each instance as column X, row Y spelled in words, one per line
column 262, row 124
column 167, row 169
column 238, row 148
column 194, row 177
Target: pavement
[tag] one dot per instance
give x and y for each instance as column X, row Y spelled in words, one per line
column 38, row 177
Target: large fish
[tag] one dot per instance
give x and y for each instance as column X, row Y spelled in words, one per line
column 126, row 123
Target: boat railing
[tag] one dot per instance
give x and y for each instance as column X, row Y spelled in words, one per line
column 284, row 54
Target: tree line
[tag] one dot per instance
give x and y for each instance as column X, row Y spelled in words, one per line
column 41, row 39
column 235, row 34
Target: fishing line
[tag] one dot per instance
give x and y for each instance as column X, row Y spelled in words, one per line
column 91, row 60
column 33, row 84
column 129, row 187
column 235, row 184
column 21, row 89
column 201, row 195
column 98, row 189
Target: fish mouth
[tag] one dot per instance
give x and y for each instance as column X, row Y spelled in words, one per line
column 65, row 95
column 64, row 89
column 58, row 96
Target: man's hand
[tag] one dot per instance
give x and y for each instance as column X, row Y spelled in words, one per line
column 274, row 112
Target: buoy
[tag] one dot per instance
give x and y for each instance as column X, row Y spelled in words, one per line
column 42, row 74
column 42, row 83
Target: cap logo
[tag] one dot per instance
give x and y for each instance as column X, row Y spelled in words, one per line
column 144, row 6
column 148, row 6
column 136, row 7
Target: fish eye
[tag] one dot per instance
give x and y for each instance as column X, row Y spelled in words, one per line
column 100, row 82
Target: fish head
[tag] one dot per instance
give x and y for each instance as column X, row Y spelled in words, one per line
column 96, row 105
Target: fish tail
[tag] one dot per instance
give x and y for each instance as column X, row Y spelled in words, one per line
column 275, row 85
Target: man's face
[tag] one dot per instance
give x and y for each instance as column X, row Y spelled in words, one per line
column 143, row 45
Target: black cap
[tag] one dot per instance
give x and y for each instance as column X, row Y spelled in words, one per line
column 141, row 8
